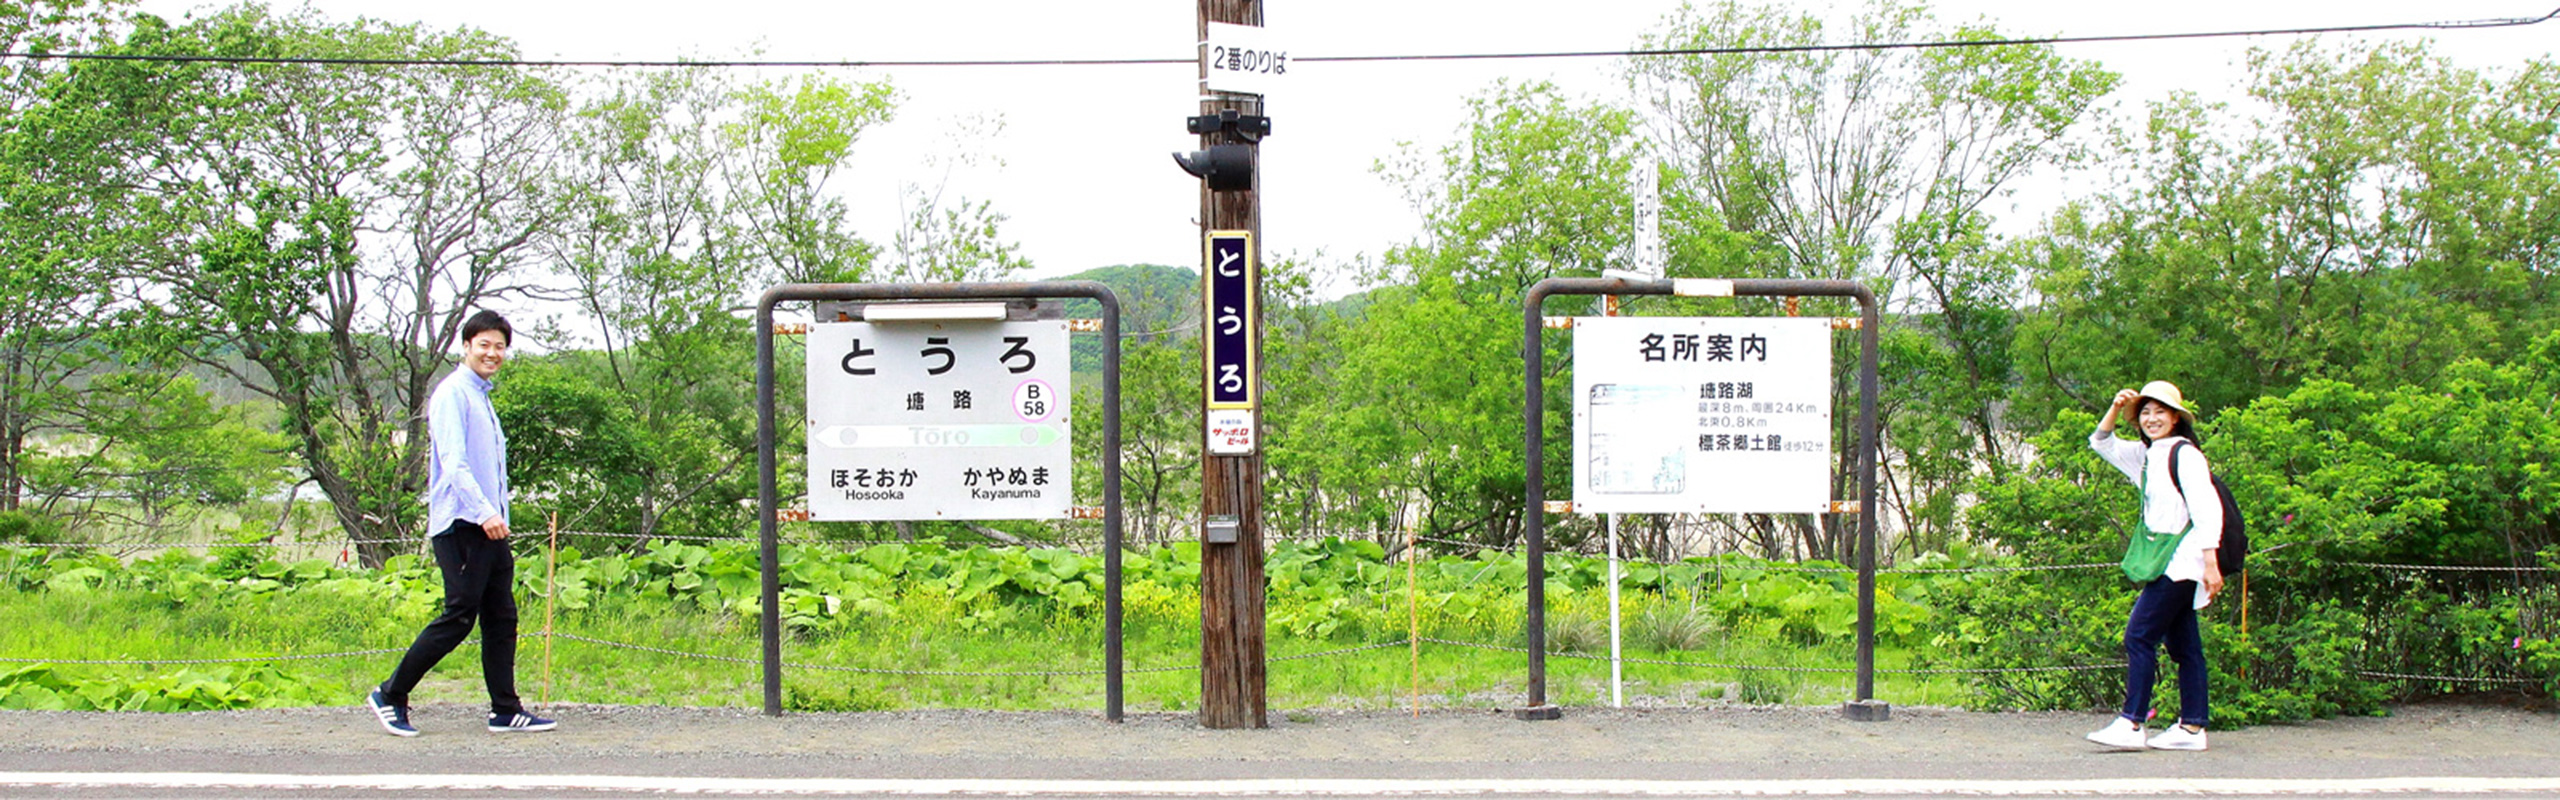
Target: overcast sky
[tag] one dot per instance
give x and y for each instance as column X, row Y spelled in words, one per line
column 1080, row 164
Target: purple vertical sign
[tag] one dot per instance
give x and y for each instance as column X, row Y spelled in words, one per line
column 1227, row 315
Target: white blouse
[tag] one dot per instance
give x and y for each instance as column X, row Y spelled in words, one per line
column 2164, row 510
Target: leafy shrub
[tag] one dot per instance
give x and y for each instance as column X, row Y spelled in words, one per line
column 22, row 527
column 2043, row 627
column 41, row 687
column 2335, row 477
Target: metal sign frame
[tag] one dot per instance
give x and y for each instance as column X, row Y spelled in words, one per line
column 1533, row 353
column 768, row 501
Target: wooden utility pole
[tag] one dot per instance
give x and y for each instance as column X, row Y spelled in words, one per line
column 1231, row 583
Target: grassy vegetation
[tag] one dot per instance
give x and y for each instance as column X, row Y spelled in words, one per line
column 933, row 610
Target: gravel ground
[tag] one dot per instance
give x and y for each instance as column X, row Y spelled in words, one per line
column 1710, row 743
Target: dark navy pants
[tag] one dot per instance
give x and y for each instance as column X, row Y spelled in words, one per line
column 479, row 585
column 2165, row 613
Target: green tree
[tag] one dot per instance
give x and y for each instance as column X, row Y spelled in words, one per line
column 2393, row 215
column 959, row 241
column 1425, row 402
column 1877, row 166
column 154, row 452
column 1159, row 397
column 693, row 194
column 325, row 228
column 57, row 246
column 793, row 137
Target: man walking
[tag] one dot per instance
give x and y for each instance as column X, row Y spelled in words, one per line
column 467, row 512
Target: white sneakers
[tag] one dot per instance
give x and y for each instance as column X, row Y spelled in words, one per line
column 2121, row 734
column 2177, row 737
column 2125, row 734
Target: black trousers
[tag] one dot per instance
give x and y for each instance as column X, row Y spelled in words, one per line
column 479, row 585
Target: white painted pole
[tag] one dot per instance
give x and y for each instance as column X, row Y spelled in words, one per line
column 1617, row 675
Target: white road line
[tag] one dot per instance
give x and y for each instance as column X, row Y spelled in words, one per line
column 1278, row 788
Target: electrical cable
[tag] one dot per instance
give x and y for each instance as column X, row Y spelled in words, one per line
column 2474, row 24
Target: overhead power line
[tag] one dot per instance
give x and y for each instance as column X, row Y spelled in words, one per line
column 2473, row 24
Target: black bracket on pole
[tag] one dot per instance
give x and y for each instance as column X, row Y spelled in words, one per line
column 767, row 494
column 1533, row 353
column 1225, row 166
column 1248, row 127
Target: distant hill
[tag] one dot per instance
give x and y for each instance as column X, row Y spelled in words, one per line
column 1156, row 301
column 1160, row 304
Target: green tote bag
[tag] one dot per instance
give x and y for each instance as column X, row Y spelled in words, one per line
column 2146, row 552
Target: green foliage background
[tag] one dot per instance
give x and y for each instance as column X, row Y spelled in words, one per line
column 227, row 287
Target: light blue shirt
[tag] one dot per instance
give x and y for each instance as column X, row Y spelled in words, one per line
column 467, row 467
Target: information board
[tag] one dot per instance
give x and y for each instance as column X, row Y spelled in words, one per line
column 939, row 420
column 1701, row 415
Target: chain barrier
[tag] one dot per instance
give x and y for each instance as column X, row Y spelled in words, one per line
column 737, row 539
column 2441, row 678
column 1883, row 571
column 1187, row 668
column 1462, row 543
column 340, row 543
column 249, row 660
column 1764, row 567
column 1342, row 651
column 1796, row 568
column 952, row 673
column 1770, row 668
column 1305, row 656
column 2442, row 567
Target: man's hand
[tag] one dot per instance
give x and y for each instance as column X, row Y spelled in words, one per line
column 2212, row 574
column 496, row 527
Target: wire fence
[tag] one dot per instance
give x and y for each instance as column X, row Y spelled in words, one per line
column 1321, row 654
column 325, row 544
column 533, row 539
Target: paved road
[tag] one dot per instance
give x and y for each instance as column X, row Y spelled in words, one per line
column 1697, row 752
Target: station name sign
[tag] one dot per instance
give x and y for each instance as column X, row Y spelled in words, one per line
column 939, row 420
column 1227, row 320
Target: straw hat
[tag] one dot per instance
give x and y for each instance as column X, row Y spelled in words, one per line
column 2168, row 395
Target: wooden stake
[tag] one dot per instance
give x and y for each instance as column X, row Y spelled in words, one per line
column 1413, row 607
column 2244, row 623
column 550, row 594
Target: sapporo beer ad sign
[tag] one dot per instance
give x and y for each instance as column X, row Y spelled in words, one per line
column 939, row 420
column 1701, row 415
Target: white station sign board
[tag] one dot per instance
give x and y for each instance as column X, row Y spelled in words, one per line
column 1242, row 59
column 939, row 420
column 1701, row 415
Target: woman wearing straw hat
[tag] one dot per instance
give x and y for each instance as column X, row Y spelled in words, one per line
column 2171, row 555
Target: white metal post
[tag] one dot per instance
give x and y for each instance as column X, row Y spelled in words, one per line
column 1617, row 677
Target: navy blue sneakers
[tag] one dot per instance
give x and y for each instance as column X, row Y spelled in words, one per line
column 394, row 718
column 519, row 721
